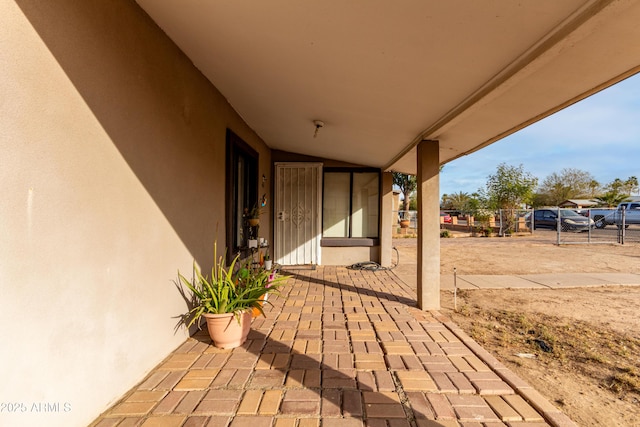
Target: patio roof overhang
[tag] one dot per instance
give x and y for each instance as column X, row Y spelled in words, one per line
column 384, row 75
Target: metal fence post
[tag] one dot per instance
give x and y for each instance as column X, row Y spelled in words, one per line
column 533, row 221
column 589, row 226
column 558, row 227
column 623, row 224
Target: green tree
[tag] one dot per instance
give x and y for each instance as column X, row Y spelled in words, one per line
column 407, row 185
column 618, row 191
column 611, row 199
column 456, row 201
column 616, row 186
column 475, row 204
column 628, row 187
column 540, row 199
column 594, row 188
column 631, row 185
column 445, row 202
column 413, row 204
column 509, row 188
column 570, row 183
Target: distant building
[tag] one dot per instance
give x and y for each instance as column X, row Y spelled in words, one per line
column 586, row 203
column 577, row 203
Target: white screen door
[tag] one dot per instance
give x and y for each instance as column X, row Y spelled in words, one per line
column 297, row 213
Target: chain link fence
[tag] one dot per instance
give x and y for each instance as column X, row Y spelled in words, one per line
column 563, row 226
column 607, row 225
column 500, row 223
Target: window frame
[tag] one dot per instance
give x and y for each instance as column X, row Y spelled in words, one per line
column 349, row 240
column 237, row 149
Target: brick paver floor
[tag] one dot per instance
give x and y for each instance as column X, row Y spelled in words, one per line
column 339, row 348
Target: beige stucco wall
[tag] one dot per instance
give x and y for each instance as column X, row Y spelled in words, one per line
column 349, row 255
column 112, row 176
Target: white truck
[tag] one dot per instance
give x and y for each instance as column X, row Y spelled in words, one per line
column 626, row 213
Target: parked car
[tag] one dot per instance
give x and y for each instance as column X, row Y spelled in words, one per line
column 446, row 218
column 570, row 220
column 604, row 217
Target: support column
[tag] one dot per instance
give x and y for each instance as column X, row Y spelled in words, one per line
column 428, row 189
column 386, row 212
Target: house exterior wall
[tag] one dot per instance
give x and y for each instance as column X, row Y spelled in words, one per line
column 112, row 170
column 351, row 253
column 348, row 255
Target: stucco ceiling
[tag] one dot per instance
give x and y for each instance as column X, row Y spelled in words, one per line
column 384, row 75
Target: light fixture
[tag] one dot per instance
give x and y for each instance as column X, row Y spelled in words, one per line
column 318, row 124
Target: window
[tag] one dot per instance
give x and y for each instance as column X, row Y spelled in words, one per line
column 351, row 203
column 241, row 189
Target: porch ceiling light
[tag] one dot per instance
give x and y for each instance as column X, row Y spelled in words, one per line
column 318, row 124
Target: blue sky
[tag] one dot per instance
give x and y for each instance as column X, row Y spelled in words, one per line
column 600, row 135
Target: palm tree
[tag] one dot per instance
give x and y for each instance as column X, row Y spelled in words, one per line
column 594, row 187
column 631, row 185
column 611, row 199
column 456, row 201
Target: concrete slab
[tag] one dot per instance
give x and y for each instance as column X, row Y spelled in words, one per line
column 447, row 283
column 529, row 281
column 564, row 280
column 628, row 279
column 500, row 282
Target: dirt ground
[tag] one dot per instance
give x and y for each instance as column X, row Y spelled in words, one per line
column 579, row 347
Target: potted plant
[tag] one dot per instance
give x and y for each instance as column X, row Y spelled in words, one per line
column 267, row 261
column 227, row 298
column 483, row 218
column 404, row 219
column 253, row 217
column 271, row 279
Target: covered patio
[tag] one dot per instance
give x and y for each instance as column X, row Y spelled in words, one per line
column 339, row 348
column 137, row 133
column 400, row 87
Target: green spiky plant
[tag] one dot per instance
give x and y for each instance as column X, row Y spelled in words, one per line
column 256, row 211
column 228, row 290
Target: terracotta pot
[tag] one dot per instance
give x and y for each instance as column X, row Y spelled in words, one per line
column 228, row 331
column 254, row 221
column 405, row 223
column 255, row 312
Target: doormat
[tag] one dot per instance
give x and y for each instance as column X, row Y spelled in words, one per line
column 298, row 267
